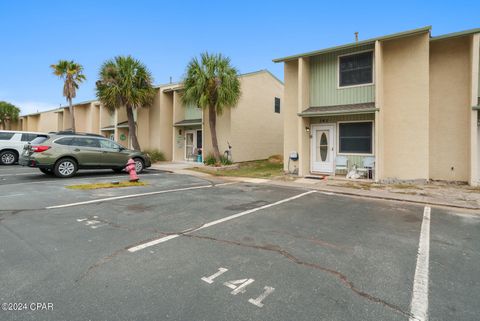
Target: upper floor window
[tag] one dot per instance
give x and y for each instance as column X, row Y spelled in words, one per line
column 355, row 69
column 277, row 105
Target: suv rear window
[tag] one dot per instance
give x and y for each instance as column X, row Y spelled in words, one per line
column 40, row 139
column 86, row 142
column 28, row 137
column 6, row 135
column 64, row 141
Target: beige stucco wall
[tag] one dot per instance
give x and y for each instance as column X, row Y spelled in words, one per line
column 47, row 122
column 224, row 134
column 450, row 109
column 178, row 136
column 143, row 128
column 256, row 130
column 405, row 108
column 290, row 109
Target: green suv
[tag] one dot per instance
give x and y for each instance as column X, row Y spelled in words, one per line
column 62, row 154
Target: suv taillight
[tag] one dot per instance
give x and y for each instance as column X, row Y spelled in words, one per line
column 40, row 148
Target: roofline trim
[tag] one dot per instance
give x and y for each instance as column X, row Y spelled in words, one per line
column 338, row 113
column 356, row 44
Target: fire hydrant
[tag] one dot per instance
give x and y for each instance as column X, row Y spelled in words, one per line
column 130, row 168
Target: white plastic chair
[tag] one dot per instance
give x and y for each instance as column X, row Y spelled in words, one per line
column 341, row 163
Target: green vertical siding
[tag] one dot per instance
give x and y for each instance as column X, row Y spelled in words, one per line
column 192, row 112
column 324, row 82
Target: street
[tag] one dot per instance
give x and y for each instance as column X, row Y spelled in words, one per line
column 188, row 248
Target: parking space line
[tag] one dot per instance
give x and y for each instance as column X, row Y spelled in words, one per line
column 225, row 219
column 419, row 304
column 128, row 196
column 11, row 195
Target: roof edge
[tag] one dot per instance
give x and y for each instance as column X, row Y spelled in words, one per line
column 356, row 44
column 456, row 34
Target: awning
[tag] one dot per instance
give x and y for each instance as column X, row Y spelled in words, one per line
column 188, row 122
column 109, row 128
column 363, row 108
column 124, row 124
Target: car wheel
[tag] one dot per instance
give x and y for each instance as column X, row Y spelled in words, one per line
column 139, row 165
column 8, row 157
column 46, row 171
column 66, row 167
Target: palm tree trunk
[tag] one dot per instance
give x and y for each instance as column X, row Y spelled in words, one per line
column 72, row 115
column 212, row 121
column 132, row 132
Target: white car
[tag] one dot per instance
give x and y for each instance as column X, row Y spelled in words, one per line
column 11, row 144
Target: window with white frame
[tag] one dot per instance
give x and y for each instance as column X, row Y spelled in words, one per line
column 355, row 138
column 355, row 69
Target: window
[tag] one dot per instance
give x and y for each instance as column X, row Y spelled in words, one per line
column 6, row 135
column 39, row 139
column 105, row 143
column 65, row 141
column 277, row 105
column 355, row 138
column 28, row 137
column 86, row 142
column 356, row 69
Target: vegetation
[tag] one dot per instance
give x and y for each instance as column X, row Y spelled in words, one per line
column 8, row 113
column 126, row 82
column 211, row 83
column 106, row 185
column 211, row 161
column 155, row 155
column 256, row 169
column 72, row 74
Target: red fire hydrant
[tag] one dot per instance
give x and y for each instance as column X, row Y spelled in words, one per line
column 130, row 168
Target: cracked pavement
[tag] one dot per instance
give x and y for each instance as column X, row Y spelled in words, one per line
column 327, row 257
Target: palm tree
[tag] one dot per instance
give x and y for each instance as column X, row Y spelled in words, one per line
column 8, row 113
column 126, row 82
column 72, row 74
column 212, row 84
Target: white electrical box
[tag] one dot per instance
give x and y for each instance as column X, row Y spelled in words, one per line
column 294, row 156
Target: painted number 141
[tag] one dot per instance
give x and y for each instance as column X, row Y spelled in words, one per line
column 239, row 286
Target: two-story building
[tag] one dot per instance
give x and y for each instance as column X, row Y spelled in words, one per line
column 254, row 127
column 402, row 106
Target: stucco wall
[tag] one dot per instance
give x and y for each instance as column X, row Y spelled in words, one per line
column 161, row 131
column 405, row 108
column 47, row 122
column 289, row 106
column 256, row 130
column 224, row 134
column 450, row 109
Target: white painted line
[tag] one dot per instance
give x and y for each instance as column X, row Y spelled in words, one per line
column 258, row 301
column 18, row 174
column 129, row 196
column 225, row 184
column 12, row 195
column 327, row 193
column 419, row 304
column 225, row 219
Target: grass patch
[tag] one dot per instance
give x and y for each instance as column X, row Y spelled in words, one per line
column 107, row 185
column 255, row 169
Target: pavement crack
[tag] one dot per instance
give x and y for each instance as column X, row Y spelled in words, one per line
column 98, row 264
column 343, row 278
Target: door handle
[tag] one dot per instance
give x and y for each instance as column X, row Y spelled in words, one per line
column 76, row 150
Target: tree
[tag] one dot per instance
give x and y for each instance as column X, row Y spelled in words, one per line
column 8, row 113
column 126, row 82
column 211, row 83
column 72, row 74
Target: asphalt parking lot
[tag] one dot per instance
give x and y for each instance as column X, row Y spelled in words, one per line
column 187, row 248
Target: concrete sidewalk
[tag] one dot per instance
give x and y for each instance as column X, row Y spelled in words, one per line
column 435, row 193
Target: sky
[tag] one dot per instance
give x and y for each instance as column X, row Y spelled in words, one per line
column 166, row 35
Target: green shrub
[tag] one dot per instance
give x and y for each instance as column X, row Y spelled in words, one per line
column 225, row 161
column 209, row 160
column 155, row 155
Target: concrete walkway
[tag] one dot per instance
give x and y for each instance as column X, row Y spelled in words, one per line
column 435, row 193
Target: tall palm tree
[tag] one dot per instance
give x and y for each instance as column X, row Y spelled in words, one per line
column 8, row 113
column 72, row 74
column 126, row 82
column 211, row 83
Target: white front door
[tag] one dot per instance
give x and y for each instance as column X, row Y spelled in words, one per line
column 190, row 145
column 323, row 148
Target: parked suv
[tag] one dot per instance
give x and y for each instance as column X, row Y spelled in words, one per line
column 62, row 154
column 12, row 143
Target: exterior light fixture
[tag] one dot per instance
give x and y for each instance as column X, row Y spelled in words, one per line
column 307, row 129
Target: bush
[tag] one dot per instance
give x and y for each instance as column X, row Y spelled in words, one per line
column 210, row 160
column 155, row 155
